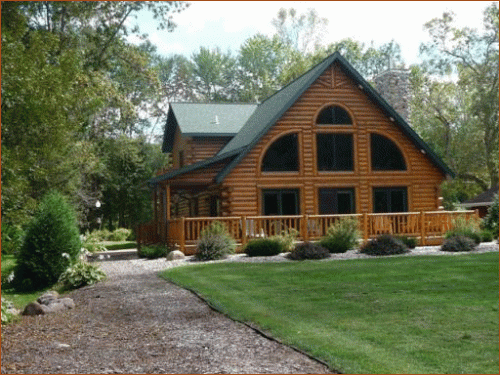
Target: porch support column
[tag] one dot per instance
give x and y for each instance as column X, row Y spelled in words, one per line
column 168, row 203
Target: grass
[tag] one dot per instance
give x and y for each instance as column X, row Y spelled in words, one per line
column 19, row 299
column 387, row 315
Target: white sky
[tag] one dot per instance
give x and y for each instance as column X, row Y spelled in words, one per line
column 227, row 24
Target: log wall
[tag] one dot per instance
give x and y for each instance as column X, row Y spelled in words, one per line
column 422, row 178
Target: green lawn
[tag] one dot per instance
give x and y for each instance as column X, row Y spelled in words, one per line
column 19, row 299
column 426, row 314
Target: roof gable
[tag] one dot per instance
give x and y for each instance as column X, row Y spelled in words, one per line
column 275, row 106
column 205, row 120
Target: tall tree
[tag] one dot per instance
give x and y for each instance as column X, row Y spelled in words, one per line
column 303, row 32
column 472, row 57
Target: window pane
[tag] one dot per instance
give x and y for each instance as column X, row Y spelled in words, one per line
column 386, row 156
column 281, row 202
column 282, row 155
column 336, row 201
column 390, row 200
column 334, row 152
column 334, row 116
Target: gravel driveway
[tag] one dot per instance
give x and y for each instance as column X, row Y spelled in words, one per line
column 135, row 322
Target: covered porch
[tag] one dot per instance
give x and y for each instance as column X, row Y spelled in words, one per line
column 183, row 233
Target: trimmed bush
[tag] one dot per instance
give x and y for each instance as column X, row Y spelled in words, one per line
column 263, row 247
column 308, row 250
column 51, row 245
column 81, row 274
column 341, row 236
column 153, row 251
column 467, row 228
column 486, row 235
column 458, row 244
column 410, row 242
column 214, row 243
column 384, row 245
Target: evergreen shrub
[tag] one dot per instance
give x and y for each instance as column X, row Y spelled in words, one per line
column 12, row 238
column 341, row 236
column 264, row 247
column 458, row 244
column 410, row 242
column 384, row 244
column 51, row 245
column 308, row 250
column 490, row 222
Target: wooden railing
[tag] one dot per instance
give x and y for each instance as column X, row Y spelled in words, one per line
column 427, row 227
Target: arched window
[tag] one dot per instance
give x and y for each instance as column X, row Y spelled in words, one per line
column 386, row 156
column 282, row 155
column 334, row 115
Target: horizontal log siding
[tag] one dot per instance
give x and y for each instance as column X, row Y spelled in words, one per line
column 422, row 178
column 195, row 148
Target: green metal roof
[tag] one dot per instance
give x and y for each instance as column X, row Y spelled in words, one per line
column 205, row 120
column 260, row 119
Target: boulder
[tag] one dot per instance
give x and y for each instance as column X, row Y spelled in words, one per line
column 175, row 255
column 34, row 308
column 48, row 303
column 48, row 297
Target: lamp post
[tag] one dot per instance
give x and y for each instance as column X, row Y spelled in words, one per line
column 99, row 220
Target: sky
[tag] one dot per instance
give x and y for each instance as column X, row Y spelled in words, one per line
column 227, row 24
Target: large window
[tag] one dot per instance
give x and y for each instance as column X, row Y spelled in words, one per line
column 390, row 199
column 280, row 201
column 282, row 155
column 336, row 201
column 335, row 152
column 386, row 156
column 334, row 115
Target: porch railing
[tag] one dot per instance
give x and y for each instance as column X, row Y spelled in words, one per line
column 427, row 227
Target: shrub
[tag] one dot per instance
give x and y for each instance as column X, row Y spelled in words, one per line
column 7, row 315
column 153, row 251
column 214, row 242
column 308, row 250
column 98, row 235
column 211, row 247
column 286, row 239
column 81, row 274
column 384, row 245
column 93, row 247
column 341, row 236
column 52, row 244
column 458, row 244
column 264, row 247
column 410, row 242
column 467, row 228
column 490, row 221
column 487, row 235
column 120, row 234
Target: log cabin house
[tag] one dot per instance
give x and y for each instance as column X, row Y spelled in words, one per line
column 325, row 145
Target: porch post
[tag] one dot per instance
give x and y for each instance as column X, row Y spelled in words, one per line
column 183, row 234
column 365, row 227
column 168, row 203
column 422, row 229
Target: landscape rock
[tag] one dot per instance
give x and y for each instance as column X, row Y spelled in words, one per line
column 175, row 255
column 34, row 308
column 48, row 303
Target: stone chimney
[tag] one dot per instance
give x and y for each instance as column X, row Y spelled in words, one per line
column 394, row 87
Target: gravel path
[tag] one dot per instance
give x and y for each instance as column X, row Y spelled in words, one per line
column 135, row 322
